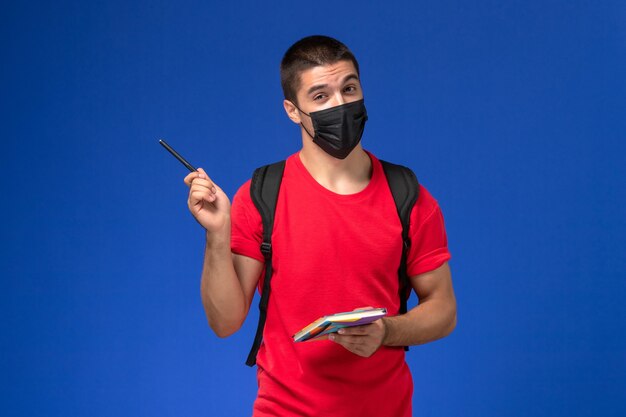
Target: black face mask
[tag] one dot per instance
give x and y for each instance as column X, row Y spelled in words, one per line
column 338, row 129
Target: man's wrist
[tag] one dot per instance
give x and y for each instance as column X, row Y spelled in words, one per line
column 217, row 241
column 385, row 323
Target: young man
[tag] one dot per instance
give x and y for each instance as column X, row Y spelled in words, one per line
column 336, row 246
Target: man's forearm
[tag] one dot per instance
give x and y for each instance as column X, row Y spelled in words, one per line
column 430, row 320
column 222, row 294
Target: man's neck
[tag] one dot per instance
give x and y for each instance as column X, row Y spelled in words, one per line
column 341, row 176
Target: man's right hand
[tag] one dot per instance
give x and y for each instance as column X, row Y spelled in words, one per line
column 208, row 203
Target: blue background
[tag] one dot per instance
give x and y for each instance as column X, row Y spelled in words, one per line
column 513, row 114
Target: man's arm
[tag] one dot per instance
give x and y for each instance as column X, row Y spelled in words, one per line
column 227, row 286
column 228, row 280
column 433, row 318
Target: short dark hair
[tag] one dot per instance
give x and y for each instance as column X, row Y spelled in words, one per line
column 309, row 52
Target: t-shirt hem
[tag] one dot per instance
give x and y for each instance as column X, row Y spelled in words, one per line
column 245, row 250
column 434, row 262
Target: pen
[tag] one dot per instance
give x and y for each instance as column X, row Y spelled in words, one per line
column 177, row 156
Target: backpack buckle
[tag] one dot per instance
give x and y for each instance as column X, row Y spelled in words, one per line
column 266, row 249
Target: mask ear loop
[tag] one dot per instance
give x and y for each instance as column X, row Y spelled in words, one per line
column 305, row 129
column 307, row 132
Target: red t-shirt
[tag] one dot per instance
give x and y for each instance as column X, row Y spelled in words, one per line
column 334, row 253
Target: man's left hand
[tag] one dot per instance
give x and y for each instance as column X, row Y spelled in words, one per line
column 361, row 340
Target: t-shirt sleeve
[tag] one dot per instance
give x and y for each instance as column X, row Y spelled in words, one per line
column 429, row 243
column 246, row 225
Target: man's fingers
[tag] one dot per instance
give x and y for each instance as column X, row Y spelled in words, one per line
column 352, row 343
column 346, row 340
column 201, row 182
column 356, row 330
column 203, row 189
column 204, row 183
column 200, row 192
column 196, row 196
column 203, row 174
column 190, row 177
column 201, row 177
column 361, row 340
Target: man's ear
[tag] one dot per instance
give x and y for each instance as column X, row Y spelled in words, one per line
column 292, row 111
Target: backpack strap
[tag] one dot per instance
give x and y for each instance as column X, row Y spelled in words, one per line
column 405, row 190
column 264, row 192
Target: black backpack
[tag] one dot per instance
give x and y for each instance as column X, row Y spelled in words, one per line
column 264, row 192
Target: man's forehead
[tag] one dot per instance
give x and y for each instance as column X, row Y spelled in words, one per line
column 327, row 74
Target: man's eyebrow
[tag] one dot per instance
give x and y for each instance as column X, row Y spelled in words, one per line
column 352, row 76
column 316, row 87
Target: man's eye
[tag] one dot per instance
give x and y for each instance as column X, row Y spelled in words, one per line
column 318, row 97
column 350, row 89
